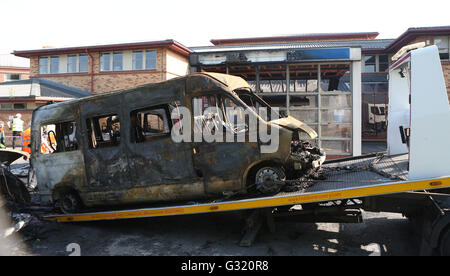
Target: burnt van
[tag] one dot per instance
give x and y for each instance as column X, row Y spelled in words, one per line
column 119, row 147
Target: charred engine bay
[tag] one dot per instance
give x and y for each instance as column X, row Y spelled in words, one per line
column 310, row 158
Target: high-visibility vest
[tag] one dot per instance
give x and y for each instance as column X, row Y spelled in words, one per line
column 26, row 140
column 17, row 124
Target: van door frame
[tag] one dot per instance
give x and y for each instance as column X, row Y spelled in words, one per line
column 218, row 162
column 172, row 161
column 107, row 169
column 61, row 169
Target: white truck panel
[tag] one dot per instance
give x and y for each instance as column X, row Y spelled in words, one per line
column 430, row 116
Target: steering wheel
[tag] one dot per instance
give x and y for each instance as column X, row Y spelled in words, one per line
column 49, row 140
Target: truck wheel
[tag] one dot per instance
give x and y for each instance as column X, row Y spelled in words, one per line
column 70, row 203
column 270, row 180
column 444, row 245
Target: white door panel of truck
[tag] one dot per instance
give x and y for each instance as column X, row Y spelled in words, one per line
column 418, row 101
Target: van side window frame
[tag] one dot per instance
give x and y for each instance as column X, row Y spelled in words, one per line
column 139, row 133
column 63, row 141
column 105, row 134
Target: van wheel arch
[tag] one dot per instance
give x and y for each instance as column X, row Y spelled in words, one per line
column 67, row 199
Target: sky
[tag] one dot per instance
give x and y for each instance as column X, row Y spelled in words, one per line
column 32, row 24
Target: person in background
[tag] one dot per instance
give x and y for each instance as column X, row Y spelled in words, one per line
column 2, row 136
column 17, row 128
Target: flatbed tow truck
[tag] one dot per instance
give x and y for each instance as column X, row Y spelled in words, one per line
column 412, row 177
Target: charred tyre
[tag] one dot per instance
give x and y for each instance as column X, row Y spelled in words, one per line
column 70, row 202
column 270, row 180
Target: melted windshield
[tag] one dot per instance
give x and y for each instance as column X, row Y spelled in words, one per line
column 252, row 100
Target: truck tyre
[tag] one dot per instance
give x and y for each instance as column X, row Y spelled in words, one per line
column 270, row 180
column 70, row 203
column 444, row 245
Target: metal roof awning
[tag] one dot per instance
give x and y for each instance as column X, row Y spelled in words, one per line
column 39, row 89
column 251, row 55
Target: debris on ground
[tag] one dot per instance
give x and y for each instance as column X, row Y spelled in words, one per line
column 20, row 221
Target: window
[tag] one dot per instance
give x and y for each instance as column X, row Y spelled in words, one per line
column 150, row 122
column 71, row 64
column 442, row 42
column 83, row 63
column 12, row 77
column 235, row 115
column 383, row 63
column 207, row 115
column 127, row 61
column 54, row 65
column 138, row 59
column 370, row 64
column 59, row 137
column 117, row 61
column 376, row 63
column 105, row 62
column 6, row 106
column 150, row 60
column 144, row 60
column 20, row 106
column 103, row 131
column 43, row 65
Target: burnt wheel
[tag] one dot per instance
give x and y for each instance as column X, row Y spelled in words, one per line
column 269, row 180
column 70, row 202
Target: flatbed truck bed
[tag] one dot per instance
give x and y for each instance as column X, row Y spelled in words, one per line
column 349, row 178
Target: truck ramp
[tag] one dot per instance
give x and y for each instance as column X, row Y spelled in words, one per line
column 348, row 178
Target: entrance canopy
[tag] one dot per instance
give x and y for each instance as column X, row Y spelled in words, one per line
column 320, row 86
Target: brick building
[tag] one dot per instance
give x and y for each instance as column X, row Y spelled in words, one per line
column 104, row 68
column 13, row 68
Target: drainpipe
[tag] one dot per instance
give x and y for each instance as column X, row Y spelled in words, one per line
column 92, row 70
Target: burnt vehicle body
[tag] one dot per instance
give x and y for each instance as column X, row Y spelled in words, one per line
column 116, row 148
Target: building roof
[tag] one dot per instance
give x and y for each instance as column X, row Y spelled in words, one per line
column 8, row 60
column 40, row 88
column 297, row 37
column 366, row 41
column 171, row 44
column 414, row 32
column 366, row 45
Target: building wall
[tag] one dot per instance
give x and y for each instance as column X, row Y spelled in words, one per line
column 446, row 71
column 176, row 64
column 23, row 72
column 100, row 82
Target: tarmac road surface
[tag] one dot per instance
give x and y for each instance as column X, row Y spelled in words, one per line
column 218, row 235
